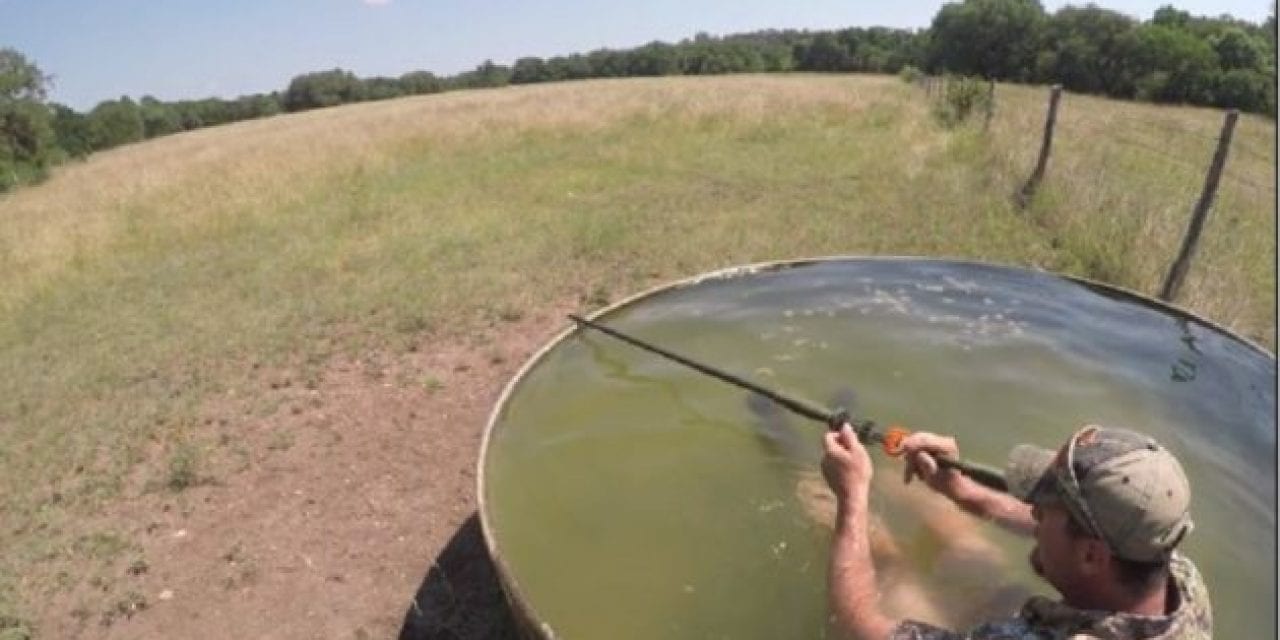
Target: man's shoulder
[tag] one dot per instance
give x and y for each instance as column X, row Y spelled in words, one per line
column 1045, row 619
column 1010, row 629
column 1194, row 617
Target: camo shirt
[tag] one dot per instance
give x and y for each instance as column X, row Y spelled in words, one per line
column 1044, row 619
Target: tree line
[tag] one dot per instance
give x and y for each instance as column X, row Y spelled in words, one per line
column 1173, row 57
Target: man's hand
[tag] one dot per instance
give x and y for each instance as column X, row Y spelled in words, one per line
column 846, row 465
column 851, row 578
column 921, row 450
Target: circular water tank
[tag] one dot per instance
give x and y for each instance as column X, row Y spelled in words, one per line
column 623, row 495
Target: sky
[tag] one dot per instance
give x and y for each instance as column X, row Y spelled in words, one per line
column 187, row 49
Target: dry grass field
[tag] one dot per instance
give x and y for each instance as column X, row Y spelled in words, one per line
column 199, row 328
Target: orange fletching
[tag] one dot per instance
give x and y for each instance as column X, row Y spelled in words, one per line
column 893, row 437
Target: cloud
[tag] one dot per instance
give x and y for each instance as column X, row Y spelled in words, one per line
column 376, row 3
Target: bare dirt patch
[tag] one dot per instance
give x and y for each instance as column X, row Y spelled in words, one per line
column 348, row 512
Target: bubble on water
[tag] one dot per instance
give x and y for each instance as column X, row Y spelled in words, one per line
column 800, row 342
column 784, row 357
column 788, row 313
column 764, row 372
column 948, row 300
column 831, row 313
column 786, row 328
column 767, row 335
column 688, row 588
column 807, row 312
column 988, row 301
column 863, row 311
column 823, row 345
column 932, row 318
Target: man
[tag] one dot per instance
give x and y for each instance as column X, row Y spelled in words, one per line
column 949, row 584
column 1106, row 511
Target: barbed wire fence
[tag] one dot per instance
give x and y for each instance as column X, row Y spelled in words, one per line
column 936, row 90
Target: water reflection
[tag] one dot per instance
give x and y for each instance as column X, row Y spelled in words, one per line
column 1184, row 367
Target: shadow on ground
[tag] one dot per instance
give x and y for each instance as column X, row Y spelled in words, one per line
column 460, row 598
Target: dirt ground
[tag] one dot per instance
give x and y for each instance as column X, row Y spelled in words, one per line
column 354, row 517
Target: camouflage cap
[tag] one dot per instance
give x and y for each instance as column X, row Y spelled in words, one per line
column 1118, row 484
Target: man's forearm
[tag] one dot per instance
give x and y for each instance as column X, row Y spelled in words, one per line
column 1000, row 507
column 852, row 589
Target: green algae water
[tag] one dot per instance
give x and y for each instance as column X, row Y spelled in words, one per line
column 627, row 496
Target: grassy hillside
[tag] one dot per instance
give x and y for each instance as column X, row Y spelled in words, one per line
column 140, row 286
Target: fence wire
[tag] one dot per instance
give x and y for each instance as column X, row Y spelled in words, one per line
column 1100, row 130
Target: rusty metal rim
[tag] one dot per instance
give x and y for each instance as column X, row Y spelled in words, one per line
column 520, row 606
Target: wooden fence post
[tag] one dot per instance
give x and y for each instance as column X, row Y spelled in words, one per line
column 1024, row 195
column 1178, row 271
column 991, row 104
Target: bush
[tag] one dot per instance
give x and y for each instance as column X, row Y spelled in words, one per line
column 961, row 98
column 910, row 74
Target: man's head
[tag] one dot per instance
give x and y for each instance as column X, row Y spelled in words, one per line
column 1108, row 500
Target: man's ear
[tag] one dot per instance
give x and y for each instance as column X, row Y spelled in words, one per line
column 1092, row 556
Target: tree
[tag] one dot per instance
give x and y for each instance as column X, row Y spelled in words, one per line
column 1244, row 90
column 825, row 53
column 1085, row 50
column 115, row 122
column 158, row 118
column 71, row 131
column 487, row 74
column 606, row 63
column 27, row 141
column 258, row 105
column 654, row 59
column 574, row 67
column 381, row 88
column 1172, row 65
column 322, row 89
column 419, row 82
column 1167, row 16
column 988, row 38
column 1238, row 50
column 529, row 70
column 20, row 79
